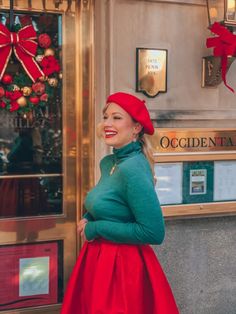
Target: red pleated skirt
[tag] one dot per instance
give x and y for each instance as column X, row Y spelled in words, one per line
column 111, row 278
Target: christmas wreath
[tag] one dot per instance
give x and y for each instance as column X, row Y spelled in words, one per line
column 32, row 82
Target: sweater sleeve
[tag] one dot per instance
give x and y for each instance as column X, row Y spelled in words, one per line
column 148, row 227
column 88, row 216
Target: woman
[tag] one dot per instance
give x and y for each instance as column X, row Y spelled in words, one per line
column 117, row 271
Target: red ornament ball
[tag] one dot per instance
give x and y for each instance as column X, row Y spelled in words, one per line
column 39, row 88
column 2, row 92
column 2, row 104
column 44, row 97
column 7, row 79
column 34, row 100
column 44, row 40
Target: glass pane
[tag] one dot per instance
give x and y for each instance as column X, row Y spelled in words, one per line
column 230, row 12
column 30, row 196
column 31, row 120
column 216, row 10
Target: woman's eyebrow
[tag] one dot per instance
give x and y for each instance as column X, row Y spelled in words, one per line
column 113, row 113
column 117, row 113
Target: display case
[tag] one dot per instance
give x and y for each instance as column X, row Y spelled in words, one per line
column 196, row 171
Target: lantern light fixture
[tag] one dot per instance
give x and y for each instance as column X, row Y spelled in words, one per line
column 222, row 11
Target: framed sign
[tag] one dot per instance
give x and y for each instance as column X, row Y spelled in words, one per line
column 169, row 182
column 29, row 275
column 198, row 181
column 225, row 180
column 151, row 71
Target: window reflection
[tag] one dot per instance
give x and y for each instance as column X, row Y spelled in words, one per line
column 30, row 196
column 31, row 140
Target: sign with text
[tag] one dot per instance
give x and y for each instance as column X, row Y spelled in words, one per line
column 203, row 140
column 151, row 71
column 28, row 275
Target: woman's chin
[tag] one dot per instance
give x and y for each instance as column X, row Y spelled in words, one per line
column 109, row 141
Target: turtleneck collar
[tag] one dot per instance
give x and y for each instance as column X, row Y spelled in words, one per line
column 127, row 151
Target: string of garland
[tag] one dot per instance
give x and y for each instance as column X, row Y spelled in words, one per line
column 18, row 93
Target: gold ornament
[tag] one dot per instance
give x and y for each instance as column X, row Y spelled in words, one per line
column 26, row 90
column 39, row 58
column 43, row 78
column 22, row 101
column 53, row 82
column 15, row 87
column 49, row 52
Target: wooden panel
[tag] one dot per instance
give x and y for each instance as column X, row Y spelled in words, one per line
column 194, row 157
column 196, row 210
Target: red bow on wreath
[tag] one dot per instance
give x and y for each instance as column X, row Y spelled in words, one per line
column 24, row 46
column 224, row 46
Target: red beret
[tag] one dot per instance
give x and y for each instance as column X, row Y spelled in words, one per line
column 135, row 107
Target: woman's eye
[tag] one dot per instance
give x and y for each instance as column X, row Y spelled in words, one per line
column 117, row 118
column 104, row 118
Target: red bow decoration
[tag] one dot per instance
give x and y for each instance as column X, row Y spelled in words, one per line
column 224, row 46
column 24, row 46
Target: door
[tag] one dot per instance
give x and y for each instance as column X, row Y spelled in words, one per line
column 45, row 147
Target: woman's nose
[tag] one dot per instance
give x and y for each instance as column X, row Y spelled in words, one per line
column 107, row 122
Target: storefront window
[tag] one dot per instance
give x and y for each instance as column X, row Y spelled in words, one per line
column 31, row 118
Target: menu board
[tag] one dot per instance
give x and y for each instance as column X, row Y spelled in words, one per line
column 169, row 183
column 224, row 180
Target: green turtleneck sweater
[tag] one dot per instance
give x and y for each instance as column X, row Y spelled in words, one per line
column 123, row 207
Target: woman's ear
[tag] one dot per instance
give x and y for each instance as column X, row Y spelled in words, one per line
column 137, row 128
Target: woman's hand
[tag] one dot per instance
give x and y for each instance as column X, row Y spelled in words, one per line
column 81, row 226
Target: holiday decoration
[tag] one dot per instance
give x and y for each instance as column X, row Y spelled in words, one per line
column 26, row 90
column 52, row 82
column 34, row 100
column 7, row 79
column 50, row 65
column 224, row 46
column 49, row 52
column 44, row 41
column 24, row 46
column 33, row 82
column 38, row 88
column 15, row 87
column 25, row 20
column 22, row 101
column 39, row 58
column 2, row 104
column 2, row 92
column 44, row 97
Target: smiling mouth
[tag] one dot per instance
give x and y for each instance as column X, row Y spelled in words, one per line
column 109, row 133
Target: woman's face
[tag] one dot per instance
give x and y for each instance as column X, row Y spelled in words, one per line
column 118, row 128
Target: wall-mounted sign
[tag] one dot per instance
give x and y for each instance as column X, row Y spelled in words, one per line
column 198, row 181
column 169, row 182
column 183, row 141
column 29, row 275
column 151, row 71
column 225, row 180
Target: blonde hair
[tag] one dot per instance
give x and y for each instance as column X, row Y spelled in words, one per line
column 147, row 151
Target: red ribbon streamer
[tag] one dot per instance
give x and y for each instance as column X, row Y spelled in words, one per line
column 224, row 46
column 24, row 46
